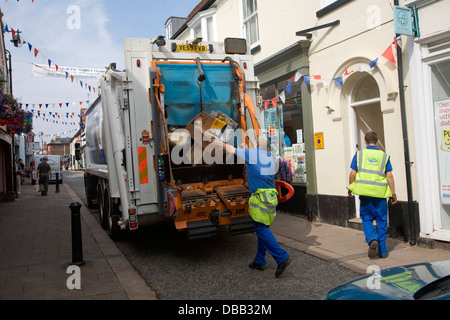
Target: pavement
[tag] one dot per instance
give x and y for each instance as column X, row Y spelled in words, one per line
column 36, row 251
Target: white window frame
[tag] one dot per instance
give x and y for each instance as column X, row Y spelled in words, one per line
column 169, row 29
column 201, row 20
column 244, row 21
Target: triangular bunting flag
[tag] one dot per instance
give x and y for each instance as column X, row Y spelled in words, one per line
column 373, row 63
column 326, row 83
column 298, row 75
column 339, row 81
column 283, row 97
column 289, row 88
column 389, row 54
column 274, row 102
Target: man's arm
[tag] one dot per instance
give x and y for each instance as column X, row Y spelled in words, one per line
column 391, row 182
column 217, row 142
column 351, row 178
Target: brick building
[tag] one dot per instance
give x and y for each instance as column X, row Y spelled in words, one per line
column 59, row 146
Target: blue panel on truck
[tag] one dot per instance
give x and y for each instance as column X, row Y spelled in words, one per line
column 183, row 98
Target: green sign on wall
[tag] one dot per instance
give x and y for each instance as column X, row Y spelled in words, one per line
column 403, row 22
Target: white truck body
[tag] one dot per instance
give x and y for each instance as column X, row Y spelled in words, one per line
column 125, row 131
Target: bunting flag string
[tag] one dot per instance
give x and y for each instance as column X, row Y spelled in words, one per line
column 55, row 115
column 46, row 60
column 53, row 105
column 60, row 133
column 338, row 81
column 6, row 1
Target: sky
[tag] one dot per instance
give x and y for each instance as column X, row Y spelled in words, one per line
column 75, row 33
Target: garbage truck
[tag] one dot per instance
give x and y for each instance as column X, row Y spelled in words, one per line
column 146, row 158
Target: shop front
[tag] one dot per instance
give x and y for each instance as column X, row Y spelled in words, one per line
column 286, row 106
column 430, row 71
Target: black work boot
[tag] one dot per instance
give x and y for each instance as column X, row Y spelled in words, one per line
column 282, row 266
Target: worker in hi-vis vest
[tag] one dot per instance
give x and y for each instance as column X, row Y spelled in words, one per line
column 371, row 178
column 263, row 200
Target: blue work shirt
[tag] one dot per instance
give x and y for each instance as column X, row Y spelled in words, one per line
column 260, row 168
column 354, row 164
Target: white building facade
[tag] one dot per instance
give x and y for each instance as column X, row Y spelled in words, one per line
column 336, row 82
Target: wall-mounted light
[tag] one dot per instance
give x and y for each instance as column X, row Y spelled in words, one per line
column 160, row 41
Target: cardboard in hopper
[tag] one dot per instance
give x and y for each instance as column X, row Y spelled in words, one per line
column 216, row 124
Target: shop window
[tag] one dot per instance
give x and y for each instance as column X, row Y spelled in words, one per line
column 284, row 124
column 440, row 79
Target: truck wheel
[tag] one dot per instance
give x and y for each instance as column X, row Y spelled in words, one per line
column 101, row 206
column 111, row 216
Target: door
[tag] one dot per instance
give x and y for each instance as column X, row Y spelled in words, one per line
column 366, row 116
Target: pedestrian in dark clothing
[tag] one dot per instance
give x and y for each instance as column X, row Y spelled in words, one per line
column 44, row 172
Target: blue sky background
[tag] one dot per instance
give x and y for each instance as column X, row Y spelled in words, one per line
column 97, row 42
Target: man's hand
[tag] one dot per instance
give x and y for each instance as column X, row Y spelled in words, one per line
column 393, row 200
column 350, row 194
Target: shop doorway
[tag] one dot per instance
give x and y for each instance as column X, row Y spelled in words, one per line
column 365, row 115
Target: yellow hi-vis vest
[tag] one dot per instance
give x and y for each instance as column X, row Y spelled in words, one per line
column 371, row 179
column 262, row 205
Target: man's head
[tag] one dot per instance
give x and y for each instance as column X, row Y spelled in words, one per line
column 263, row 142
column 45, row 158
column 371, row 137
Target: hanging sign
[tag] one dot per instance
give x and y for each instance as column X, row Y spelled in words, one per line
column 403, row 22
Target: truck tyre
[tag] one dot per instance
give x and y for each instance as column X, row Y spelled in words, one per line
column 90, row 187
column 101, row 206
column 112, row 217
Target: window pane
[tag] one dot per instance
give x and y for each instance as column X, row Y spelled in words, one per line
column 249, row 8
column 440, row 79
column 252, row 30
column 210, row 29
column 366, row 89
column 198, row 31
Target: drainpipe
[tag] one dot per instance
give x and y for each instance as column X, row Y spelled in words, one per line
column 408, row 163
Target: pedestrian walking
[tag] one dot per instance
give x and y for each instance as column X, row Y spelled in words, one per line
column 263, row 201
column 371, row 178
column 44, row 172
column 22, row 171
column 18, row 176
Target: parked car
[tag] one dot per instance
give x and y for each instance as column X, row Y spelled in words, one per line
column 422, row 281
column 56, row 164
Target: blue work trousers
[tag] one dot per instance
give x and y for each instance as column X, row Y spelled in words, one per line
column 267, row 243
column 375, row 209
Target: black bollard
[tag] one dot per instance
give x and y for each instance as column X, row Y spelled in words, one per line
column 57, row 183
column 77, row 247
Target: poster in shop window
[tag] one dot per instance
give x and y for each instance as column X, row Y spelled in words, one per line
column 442, row 109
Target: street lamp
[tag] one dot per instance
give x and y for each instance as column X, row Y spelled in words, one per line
column 41, row 134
